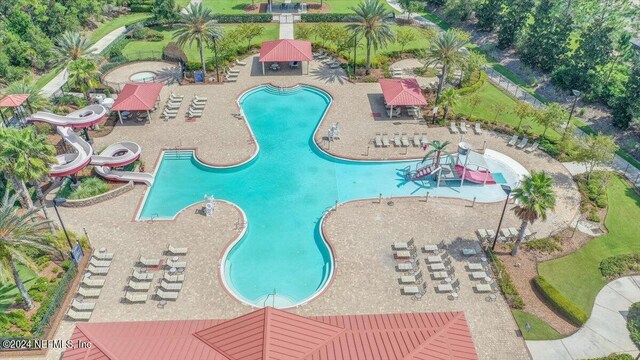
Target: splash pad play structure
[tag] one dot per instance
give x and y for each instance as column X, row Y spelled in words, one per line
column 115, row 155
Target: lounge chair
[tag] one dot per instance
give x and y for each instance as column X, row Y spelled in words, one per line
column 134, row 298
column 441, row 275
column 149, row 262
column 176, row 264
column 475, row 267
column 478, row 275
column 453, row 128
column 197, row 105
column 477, row 129
column 89, row 292
column 482, row 234
column 404, row 245
column 406, row 266
column 513, row 141
column 174, row 97
column 440, row 266
column 385, row 140
column 167, row 295
column 82, row 306
column 405, row 140
column 423, row 139
column 396, row 139
column 414, row 289
column 100, row 263
column 169, row 112
column 514, row 232
column 197, row 98
column 232, row 71
column 416, row 140
column 434, row 248
column 404, row 255
column 103, row 255
column 470, row 252
column 491, row 234
column 171, row 285
column 177, row 250
column 411, row 279
column 172, row 106
column 173, row 277
column 533, row 147
column 434, row 259
column 139, row 285
column 241, row 63
column 97, row 270
column 378, row 140
column 463, row 127
column 142, row 276
column 88, row 281
column 194, row 113
column 484, row 288
column 523, row 143
column 79, row 315
column 447, row 288
column 228, row 78
column 169, row 115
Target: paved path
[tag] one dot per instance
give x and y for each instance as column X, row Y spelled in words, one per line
column 604, row 333
column 286, row 26
column 56, row 83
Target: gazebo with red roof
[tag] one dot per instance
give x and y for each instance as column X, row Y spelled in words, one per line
column 137, row 97
column 402, row 92
column 285, row 50
column 14, row 101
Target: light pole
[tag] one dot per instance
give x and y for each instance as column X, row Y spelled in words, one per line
column 506, row 189
column 59, row 201
column 435, row 107
column 576, row 93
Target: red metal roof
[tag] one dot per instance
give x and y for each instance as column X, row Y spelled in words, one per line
column 137, row 97
column 286, row 50
column 402, row 92
column 276, row 334
column 13, row 100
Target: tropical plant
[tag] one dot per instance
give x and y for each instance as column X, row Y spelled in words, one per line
column 551, row 117
column 322, row 32
column 36, row 101
column 213, row 43
column 165, row 11
column 437, row 148
column 534, row 199
column 446, row 50
column 83, row 75
column 449, row 99
column 595, row 150
column 523, row 111
column 71, row 46
column 404, row 36
column 372, row 21
column 250, row 31
column 197, row 25
column 19, row 231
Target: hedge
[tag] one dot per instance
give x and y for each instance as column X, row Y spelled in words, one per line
column 616, row 266
column 560, row 302
column 243, row 18
column 473, row 87
column 330, row 17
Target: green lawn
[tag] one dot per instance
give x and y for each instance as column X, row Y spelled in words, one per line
column 8, row 291
column 136, row 49
column 577, row 275
column 120, row 21
column 539, row 329
column 45, row 78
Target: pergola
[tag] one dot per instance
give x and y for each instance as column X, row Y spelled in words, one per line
column 137, row 97
column 286, row 50
column 402, row 92
column 14, row 101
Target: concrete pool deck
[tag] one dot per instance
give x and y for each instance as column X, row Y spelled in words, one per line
column 360, row 231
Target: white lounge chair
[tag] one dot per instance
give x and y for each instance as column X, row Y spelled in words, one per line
column 176, row 264
column 475, row 267
column 396, row 139
column 173, row 277
column 88, row 281
column 197, row 98
column 378, row 140
column 477, row 129
column 194, row 113
column 453, row 128
column 241, row 63
column 463, row 127
column 445, row 288
column 513, row 141
column 89, row 292
column 139, row 285
column 434, row 259
column 100, row 263
column 416, row 140
column 405, row 140
column 405, row 266
column 482, row 234
column 385, row 140
column 149, row 262
column 414, row 289
column 233, row 71
column 533, row 147
column 403, row 245
column 229, row 78
column 411, row 279
column 169, row 115
column 478, row 275
column 177, row 250
column 197, row 105
column 404, row 255
column 102, row 255
column 167, row 295
column 523, row 143
column 175, row 97
column 82, row 306
column 140, row 276
column 79, row 315
column 484, row 288
column 423, row 139
column 171, row 286
column 134, row 298
column 97, row 270
column 172, row 106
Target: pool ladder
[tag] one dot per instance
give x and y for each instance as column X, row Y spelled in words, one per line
column 273, row 302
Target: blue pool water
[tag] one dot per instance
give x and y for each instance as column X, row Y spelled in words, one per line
column 284, row 193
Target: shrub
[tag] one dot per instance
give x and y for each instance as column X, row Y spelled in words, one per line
column 506, row 285
column 69, row 100
column 44, row 306
column 633, row 322
column 330, row 17
column 593, row 216
column 546, row 245
column 549, row 147
column 19, row 299
column 616, row 266
column 89, row 186
column 475, row 86
column 15, row 318
column 560, row 302
column 614, row 357
column 39, row 289
column 141, row 8
column 43, row 261
column 143, row 33
column 66, row 265
column 43, row 128
column 243, row 18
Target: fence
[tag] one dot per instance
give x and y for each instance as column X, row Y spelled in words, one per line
column 130, row 57
column 510, row 87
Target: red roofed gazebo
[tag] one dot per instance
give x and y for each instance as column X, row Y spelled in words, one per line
column 285, row 50
column 402, row 92
column 137, row 97
column 14, row 101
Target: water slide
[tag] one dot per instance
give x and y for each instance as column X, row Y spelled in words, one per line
column 475, row 176
column 422, row 172
column 120, row 154
column 72, row 162
column 85, row 117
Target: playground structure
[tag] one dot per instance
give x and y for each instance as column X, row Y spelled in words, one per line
column 115, row 155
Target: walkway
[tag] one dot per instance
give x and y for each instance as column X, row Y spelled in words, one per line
column 604, row 333
column 57, row 82
column 286, row 26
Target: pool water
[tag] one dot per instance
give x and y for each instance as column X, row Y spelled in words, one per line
column 283, row 260
column 143, row 76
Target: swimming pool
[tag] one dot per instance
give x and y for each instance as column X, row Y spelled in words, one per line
column 282, row 259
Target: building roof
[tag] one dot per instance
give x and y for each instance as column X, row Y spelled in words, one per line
column 137, row 97
column 286, row 50
column 270, row 334
column 402, row 92
column 13, row 100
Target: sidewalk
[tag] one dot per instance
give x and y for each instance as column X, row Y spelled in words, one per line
column 57, row 82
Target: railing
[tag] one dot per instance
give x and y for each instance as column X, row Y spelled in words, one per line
column 135, row 56
column 510, row 87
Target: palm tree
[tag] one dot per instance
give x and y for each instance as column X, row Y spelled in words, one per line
column 437, row 148
column 83, row 75
column 534, row 198
column 447, row 50
column 449, row 98
column 71, row 46
column 371, row 19
column 197, row 24
column 19, row 231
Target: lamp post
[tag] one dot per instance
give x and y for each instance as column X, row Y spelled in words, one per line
column 576, row 93
column 59, row 201
column 506, row 189
column 435, row 107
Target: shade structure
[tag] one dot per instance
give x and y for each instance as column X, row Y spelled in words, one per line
column 13, row 100
column 402, row 92
column 286, row 50
column 138, row 97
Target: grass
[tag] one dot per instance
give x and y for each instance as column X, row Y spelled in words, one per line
column 8, row 291
column 133, row 48
column 120, row 21
column 539, row 329
column 435, row 19
column 237, row 7
column 577, row 275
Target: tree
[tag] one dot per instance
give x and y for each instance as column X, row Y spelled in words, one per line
column 71, row 46
column 410, row 6
column 165, row 11
column 534, row 198
column 447, row 50
column 404, row 36
column 250, row 31
column 197, row 25
column 512, row 20
column 551, row 117
column 595, row 150
column 18, row 232
column 474, row 101
column 627, row 109
column 460, row 10
column 213, row 44
column 499, row 108
column 83, row 75
column 322, row 31
column 437, row 148
column 524, row 111
column 448, row 99
column 25, row 86
column 342, row 39
column 474, row 63
column 488, row 14
column 304, row 31
column 372, row 21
